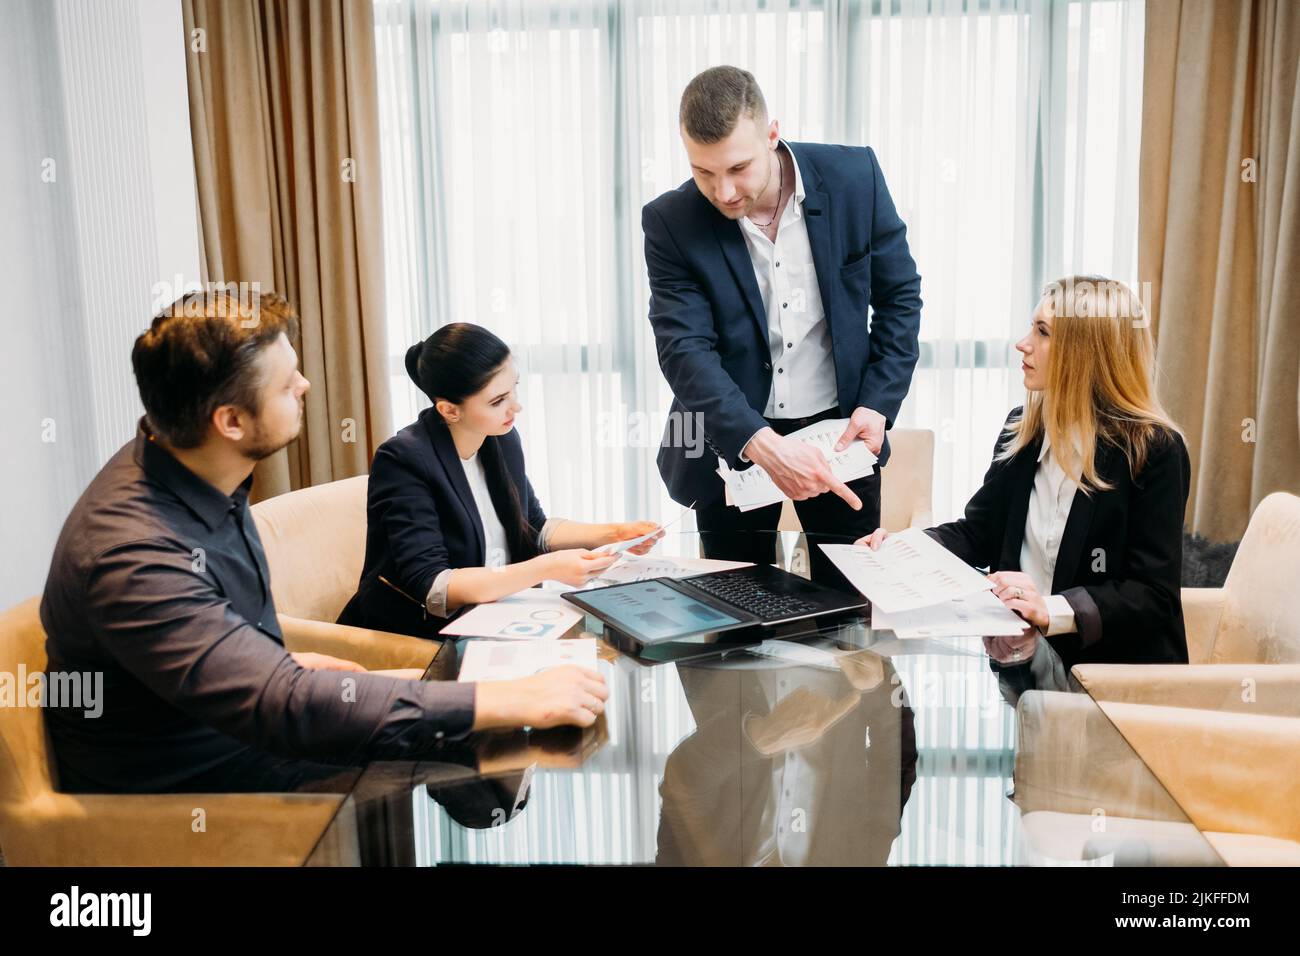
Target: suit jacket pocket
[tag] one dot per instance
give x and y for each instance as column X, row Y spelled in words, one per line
column 856, row 276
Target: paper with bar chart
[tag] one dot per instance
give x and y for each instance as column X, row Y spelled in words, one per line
column 980, row 614
column 911, row 570
column 754, row 488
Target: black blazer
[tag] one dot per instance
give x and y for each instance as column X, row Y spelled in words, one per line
column 1120, row 561
column 420, row 520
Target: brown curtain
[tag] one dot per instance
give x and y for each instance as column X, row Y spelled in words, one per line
column 284, row 113
column 1219, row 240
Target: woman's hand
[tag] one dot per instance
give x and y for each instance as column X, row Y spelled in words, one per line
column 1013, row 650
column 626, row 530
column 575, row 566
column 873, row 540
column 1017, row 591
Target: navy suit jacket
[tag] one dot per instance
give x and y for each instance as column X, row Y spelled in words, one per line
column 420, row 520
column 711, row 328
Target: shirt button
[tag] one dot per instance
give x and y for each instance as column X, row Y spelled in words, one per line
column 784, row 304
column 778, row 265
column 439, row 735
column 789, row 345
column 779, row 371
column 781, row 405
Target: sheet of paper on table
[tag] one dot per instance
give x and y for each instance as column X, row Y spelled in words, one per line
column 635, row 567
column 911, row 570
column 980, row 614
column 754, row 488
column 530, row 614
column 510, row 660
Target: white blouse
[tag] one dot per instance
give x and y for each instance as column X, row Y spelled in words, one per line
column 496, row 548
column 496, row 551
column 1049, row 509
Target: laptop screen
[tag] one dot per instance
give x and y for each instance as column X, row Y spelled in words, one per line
column 653, row 611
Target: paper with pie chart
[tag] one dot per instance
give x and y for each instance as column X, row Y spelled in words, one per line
column 530, row 614
column 911, row 570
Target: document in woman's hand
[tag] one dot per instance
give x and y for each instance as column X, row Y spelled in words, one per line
column 910, row 570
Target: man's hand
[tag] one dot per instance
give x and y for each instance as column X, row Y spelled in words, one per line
column 323, row 662
column 799, row 470
column 866, row 424
column 567, row 695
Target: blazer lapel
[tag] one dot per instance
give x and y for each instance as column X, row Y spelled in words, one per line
column 1076, row 527
column 445, row 450
column 1020, row 484
column 817, row 218
column 736, row 253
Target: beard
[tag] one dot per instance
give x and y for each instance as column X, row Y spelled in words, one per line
column 261, row 445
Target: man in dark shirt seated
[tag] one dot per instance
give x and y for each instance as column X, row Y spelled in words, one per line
column 159, row 582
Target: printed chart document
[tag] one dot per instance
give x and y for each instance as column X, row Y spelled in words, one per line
column 509, row 660
column 911, row 570
column 528, row 614
column 754, row 487
column 635, row 567
column 618, row 547
column 979, row 613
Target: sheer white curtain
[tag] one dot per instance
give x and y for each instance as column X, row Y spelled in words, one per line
column 521, row 140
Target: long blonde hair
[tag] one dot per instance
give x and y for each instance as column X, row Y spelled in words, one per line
column 1099, row 380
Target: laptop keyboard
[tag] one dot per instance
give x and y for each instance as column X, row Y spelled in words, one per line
column 747, row 594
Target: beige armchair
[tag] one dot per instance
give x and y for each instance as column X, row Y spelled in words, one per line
column 906, row 484
column 1217, row 736
column 315, row 541
column 1243, row 640
column 42, row 827
column 1155, row 785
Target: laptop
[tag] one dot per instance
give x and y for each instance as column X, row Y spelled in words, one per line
column 672, row 610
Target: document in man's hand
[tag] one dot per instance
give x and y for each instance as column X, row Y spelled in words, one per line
column 754, row 488
column 510, row 660
column 911, row 570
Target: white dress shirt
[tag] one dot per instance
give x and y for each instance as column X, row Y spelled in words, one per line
column 1049, row 509
column 798, row 336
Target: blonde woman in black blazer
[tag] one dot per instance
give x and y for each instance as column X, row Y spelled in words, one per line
column 1079, row 520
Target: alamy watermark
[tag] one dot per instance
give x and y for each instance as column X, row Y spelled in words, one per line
column 74, row 690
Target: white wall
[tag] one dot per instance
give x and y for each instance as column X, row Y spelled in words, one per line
column 97, row 205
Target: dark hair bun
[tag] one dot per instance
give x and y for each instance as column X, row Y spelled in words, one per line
column 413, row 365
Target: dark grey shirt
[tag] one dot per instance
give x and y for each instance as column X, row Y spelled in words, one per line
column 159, row 582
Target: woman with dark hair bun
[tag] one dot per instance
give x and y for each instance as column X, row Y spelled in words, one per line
column 451, row 516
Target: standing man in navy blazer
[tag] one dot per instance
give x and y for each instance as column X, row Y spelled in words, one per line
column 762, row 269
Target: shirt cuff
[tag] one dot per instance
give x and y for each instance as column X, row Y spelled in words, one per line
column 544, row 536
column 449, row 708
column 1061, row 614
column 741, row 454
column 436, row 600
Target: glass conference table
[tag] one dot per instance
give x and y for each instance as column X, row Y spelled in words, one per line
column 835, row 744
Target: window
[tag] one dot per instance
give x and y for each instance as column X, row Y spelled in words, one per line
column 521, row 140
